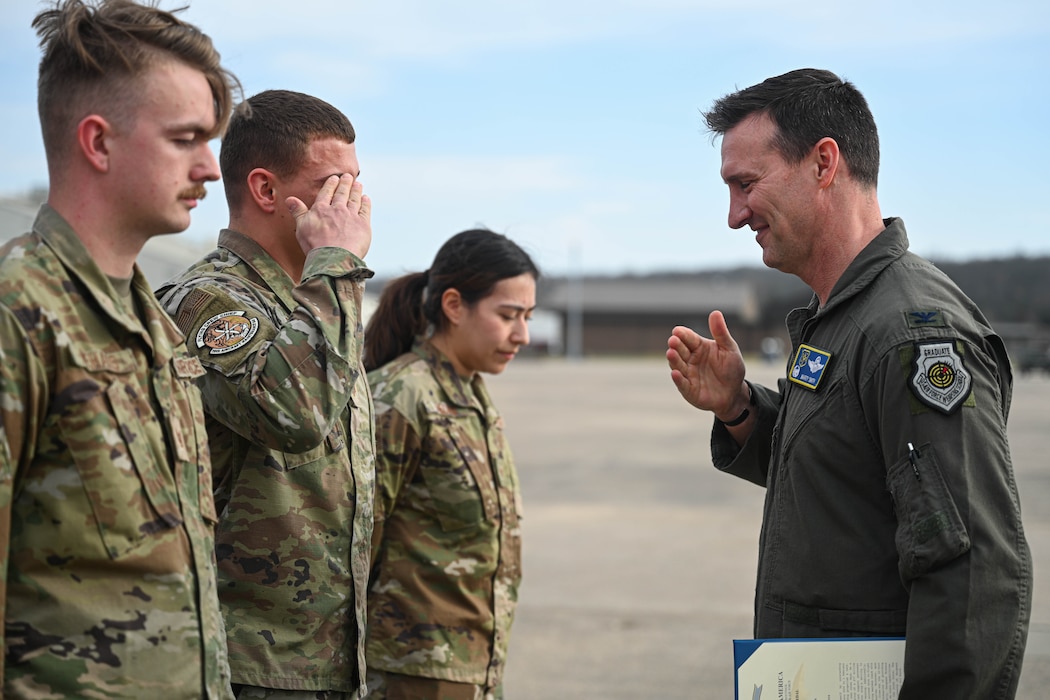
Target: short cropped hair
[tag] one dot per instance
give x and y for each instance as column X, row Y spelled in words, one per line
column 807, row 105
column 273, row 130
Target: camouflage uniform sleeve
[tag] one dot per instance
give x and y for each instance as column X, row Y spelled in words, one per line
column 279, row 382
column 19, row 417
column 398, row 450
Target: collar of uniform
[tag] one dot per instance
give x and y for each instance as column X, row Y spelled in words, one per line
column 885, row 249
column 163, row 332
column 453, row 385
column 63, row 240
column 67, row 246
column 270, row 274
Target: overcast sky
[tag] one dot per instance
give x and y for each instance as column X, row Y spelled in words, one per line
column 574, row 126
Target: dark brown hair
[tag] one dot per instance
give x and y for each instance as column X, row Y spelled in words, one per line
column 273, row 130
column 807, row 105
column 471, row 262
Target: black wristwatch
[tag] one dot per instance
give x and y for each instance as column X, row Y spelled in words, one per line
column 747, row 411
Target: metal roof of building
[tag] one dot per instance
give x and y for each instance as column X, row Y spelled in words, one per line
column 649, row 295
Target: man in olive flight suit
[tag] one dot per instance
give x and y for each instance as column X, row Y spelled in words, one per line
column 108, row 585
column 274, row 315
column 891, row 506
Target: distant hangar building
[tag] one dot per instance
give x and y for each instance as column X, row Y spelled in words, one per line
column 635, row 315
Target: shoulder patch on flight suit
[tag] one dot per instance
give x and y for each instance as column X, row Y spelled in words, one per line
column 227, row 331
column 939, row 379
column 809, row 366
column 925, row 318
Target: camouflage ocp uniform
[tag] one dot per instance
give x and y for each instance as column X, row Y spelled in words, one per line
column 289, row 417
column 106, row 511
column 448, row 539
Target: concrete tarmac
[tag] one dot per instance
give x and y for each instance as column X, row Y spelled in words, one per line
column 640, row 557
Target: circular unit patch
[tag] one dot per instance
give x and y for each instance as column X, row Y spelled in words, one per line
column 227, row 331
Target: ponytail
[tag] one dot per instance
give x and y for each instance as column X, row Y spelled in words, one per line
column 471, row 262
column 396, row 321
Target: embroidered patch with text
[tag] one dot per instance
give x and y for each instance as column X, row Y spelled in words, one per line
column 227, row 331
column 809, row 366
column 939, row 379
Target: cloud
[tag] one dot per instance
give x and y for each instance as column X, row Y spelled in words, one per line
column 444, row 176
column 574, row 125
column 422, row 28
column 558, row 208
column 458, row 29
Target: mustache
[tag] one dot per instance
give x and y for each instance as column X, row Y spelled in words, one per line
column 195, row 192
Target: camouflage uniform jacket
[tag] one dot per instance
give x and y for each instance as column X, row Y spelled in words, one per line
column 106, row 511
column 447, row 546
column 293, row 443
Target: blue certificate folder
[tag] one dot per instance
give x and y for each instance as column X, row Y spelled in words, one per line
column 860, row 668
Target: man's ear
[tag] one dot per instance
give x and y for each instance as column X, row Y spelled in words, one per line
column 93, row 134
column 826, row 160
column 260, row 183
column 452, row 305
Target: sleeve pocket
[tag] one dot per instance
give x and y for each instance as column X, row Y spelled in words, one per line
column 333, row 442
column 930, row 531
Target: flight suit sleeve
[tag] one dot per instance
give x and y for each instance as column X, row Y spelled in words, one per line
column 749, row 461
column 962, row 550
column 279, row 383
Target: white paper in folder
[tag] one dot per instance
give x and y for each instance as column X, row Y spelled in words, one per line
column 819, row 669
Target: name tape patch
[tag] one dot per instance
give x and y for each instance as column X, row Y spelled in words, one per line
column 809, row 366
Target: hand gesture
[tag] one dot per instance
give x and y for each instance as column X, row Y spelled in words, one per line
column 341, row 216
column 709, row 372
